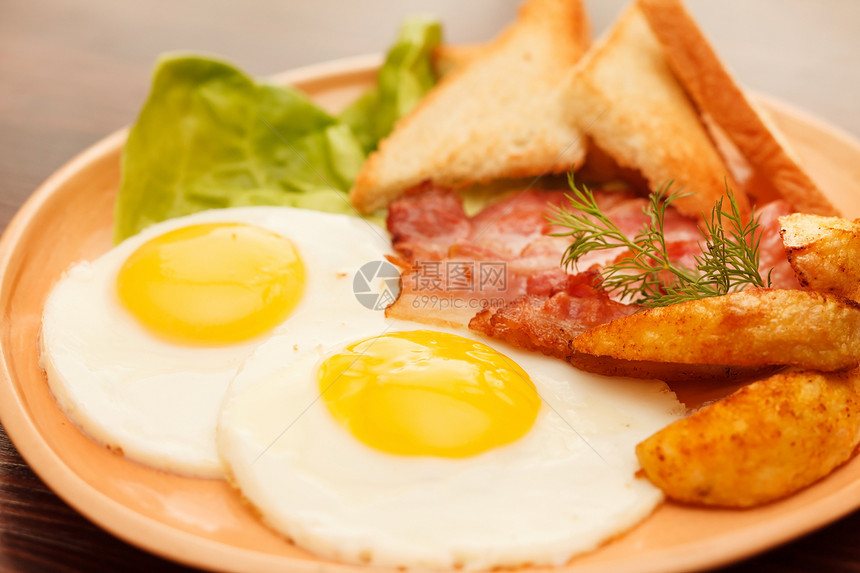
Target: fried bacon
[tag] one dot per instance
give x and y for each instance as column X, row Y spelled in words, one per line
column 771, row 250
column 454, row 266
column 425, row 222
column 549, row 322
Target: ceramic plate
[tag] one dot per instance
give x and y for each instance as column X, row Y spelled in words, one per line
column 203, row 522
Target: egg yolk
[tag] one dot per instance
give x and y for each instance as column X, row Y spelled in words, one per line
column 425, row 393
column 215, row 283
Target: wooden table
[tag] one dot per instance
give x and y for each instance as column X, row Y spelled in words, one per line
column 70, row 73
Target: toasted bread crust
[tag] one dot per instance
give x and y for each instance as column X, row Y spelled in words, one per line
column 715, row 92
column 497, row 116
column 625, row 96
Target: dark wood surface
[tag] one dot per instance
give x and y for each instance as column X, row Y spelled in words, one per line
column 71, row 73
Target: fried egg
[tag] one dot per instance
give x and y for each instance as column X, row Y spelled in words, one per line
column 381, row 442
column 140, row 345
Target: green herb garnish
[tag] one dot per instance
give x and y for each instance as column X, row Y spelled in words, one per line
column 648, row 276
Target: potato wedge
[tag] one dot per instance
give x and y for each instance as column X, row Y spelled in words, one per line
column 762, row 443
column 824, row 252
column 755, row 327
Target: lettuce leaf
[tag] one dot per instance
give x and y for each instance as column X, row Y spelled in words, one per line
column 404, row 78
column 209, row 136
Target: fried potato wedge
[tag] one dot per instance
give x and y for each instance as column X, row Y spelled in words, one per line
column 824, row 252
column 755, row 327
column 762, row 443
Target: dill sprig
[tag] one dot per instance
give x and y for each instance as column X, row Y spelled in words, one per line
column 647, row 275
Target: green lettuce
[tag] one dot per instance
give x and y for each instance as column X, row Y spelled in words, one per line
column 209, row 136
column 404, row 78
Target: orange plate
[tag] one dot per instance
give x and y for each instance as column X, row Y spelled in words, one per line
column 203, row 522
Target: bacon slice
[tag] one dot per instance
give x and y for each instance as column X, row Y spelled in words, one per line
column 509, row 226
column 426, row 221
column 771, row 250
column 548, row 322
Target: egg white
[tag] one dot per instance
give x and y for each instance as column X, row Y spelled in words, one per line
column 564, row 488
column 157, row 401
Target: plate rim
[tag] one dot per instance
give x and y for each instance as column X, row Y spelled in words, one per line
column 172, row 544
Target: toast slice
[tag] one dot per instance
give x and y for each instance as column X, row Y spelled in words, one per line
column 498, row 116
column 449, row 57
column 716, row 93
column 624, row 95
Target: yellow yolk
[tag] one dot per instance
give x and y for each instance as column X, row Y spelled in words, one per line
column 428, row 393
column 212, row 283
